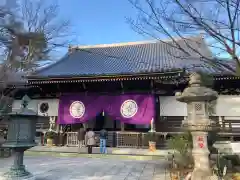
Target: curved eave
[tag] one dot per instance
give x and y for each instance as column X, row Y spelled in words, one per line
column 102, row 78
column 127, row 77
column 226, row 77
column 222, row 77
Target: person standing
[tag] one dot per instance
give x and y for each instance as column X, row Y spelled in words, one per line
column 90, row 140
column 81, row 138
column 103, row 141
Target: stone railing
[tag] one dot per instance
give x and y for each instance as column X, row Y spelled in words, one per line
column 72, row 140
column 236, row 148
column 124, row 139
column 228, row 147
column 223, row 147
column 121, row 139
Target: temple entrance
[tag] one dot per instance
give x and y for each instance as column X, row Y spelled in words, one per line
column 114, row 128
column 100, row 122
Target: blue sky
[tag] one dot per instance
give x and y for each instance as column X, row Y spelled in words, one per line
column 100, row 22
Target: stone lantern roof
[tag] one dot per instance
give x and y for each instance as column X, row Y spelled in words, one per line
column 196, row 91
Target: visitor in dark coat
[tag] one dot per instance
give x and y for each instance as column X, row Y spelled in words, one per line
column 81, row 138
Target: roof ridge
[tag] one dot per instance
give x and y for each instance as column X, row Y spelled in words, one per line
column 114, row 44
column 72, row 49
column 130, row 43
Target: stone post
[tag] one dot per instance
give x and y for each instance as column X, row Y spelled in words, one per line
column 198, row 123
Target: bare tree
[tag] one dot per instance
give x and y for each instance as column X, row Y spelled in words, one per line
column 10, row 49
column 216, row 20
column 39, row 21
column 30, row 32
column 43, row 16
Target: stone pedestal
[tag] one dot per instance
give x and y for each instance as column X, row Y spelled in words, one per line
column 198, row 123
column 200, row 155
column 18, row 169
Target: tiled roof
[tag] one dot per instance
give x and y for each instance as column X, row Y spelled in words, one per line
column 131, row 58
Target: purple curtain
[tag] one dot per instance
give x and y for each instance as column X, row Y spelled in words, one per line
column 128, row 108
column 132, row 108
column 78, row 108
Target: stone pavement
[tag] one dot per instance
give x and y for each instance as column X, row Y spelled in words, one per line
column 81, row 168
column 127, row 151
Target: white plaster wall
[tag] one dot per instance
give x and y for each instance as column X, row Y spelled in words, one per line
column 169, row 106
column 32, row 105
column 228, row 106
column 35, row 104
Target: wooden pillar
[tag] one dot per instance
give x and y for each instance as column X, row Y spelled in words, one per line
column 165, row 136
column 230, row 125
column 57, row 125
column 85, row 126
column 220, row 121
column 60, row 129
column 157, row 117
column 122, row 126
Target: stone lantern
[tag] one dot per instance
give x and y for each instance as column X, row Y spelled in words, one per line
column 198, row 123
column 20, row 137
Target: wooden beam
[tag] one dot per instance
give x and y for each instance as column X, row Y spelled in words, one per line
column 84, row 86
